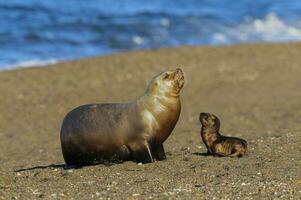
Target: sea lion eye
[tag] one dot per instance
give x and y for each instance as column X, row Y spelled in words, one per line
column 165, row 76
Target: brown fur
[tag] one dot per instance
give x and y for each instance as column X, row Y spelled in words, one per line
column 217, row 144
column 97, row 132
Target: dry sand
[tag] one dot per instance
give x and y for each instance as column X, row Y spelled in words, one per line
column 254, row 89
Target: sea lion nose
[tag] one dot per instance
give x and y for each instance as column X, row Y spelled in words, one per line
column 203, row 114
column 178, row 73
column 179, row 70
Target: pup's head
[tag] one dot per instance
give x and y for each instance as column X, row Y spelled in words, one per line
column 209, row 120
column 167, row 84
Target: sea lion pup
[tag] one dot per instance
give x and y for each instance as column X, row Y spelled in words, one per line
column 217, row 144
column 118, row 132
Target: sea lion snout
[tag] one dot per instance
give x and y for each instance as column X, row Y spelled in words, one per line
column 178, row 77
column 178, row 74
column 179, row 70
column 202, row 115
column 209, row 120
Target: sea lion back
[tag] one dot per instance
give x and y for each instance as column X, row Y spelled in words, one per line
column 95, row 128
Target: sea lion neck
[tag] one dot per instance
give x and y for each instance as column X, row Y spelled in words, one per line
column 162, row 94
column 160, row 113
column 209, row 136
column 160, row 100
column 211, row 130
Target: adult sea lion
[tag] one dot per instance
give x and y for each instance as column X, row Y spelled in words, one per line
column 217, row 144
column 94, row 133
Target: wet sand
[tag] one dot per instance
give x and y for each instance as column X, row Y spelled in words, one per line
column 254, row 89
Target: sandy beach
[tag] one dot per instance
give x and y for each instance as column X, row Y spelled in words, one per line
column 253, row 88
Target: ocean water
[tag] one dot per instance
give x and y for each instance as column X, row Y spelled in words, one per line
column 39, row 32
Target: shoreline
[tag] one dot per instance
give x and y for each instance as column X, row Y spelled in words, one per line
column 52, row 61
column 252, row 88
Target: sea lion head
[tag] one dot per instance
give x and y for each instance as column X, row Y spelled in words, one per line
column 167, row 84
column 209, row 120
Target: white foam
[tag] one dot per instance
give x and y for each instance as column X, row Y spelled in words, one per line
column 29, row 63
column 137, row 39
column 165, row 22
column 219, row 38
column 270, row 29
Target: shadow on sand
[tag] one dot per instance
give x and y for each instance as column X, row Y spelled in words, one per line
column 202, row 154
column 62, row 166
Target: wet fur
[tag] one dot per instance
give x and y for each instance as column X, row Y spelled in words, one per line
column 217, row 144
column 115, row 132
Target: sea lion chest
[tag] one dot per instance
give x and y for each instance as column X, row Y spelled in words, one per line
column 209, row 137
column 162, row 120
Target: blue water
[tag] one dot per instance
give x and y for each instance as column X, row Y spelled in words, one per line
column 36, row 32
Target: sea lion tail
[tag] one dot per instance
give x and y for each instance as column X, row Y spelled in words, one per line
column 245, row 144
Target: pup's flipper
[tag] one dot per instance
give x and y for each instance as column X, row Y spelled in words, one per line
column 219, row 154
column 237, row 154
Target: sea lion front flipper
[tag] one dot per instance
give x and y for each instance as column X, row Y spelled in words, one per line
column 141, row 152
column 237, row 154
column 158, row 152
column 208, row 152
column 219, row 154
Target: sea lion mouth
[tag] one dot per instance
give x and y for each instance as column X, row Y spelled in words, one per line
column 202, row 117
column 178, row 78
